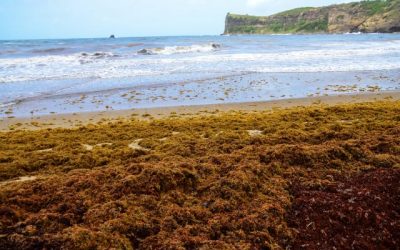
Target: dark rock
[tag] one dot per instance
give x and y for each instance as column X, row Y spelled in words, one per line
column 144, row 52
column 99, row 54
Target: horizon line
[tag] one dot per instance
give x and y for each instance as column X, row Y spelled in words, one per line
column 105, row 37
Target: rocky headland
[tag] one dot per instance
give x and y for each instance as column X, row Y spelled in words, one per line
column 365, row 17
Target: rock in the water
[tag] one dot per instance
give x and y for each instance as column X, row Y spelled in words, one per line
column 112, row 36
column 216, row 45
column 145, row 52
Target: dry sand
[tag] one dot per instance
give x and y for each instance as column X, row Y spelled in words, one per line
column 79, row 119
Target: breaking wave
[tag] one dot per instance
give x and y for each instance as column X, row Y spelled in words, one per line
column 169, row 50
column 199, row 59
column 8, row 104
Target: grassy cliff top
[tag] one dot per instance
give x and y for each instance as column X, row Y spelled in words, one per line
column 296, row 11
column 373, row 7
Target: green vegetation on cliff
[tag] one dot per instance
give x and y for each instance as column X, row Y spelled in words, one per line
column 365, row 16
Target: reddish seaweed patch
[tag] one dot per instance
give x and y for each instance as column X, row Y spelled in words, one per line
column 359, row 212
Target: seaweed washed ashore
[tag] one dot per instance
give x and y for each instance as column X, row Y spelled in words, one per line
column 302, row 178
column 45, row 77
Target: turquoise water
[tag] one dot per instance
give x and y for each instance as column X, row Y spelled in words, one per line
column 45, row 75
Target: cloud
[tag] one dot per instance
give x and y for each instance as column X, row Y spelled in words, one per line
column 256, row 3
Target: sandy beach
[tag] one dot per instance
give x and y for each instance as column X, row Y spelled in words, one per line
column 84, row 118
column 263, row 173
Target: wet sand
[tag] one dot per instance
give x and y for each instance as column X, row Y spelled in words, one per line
column 105, row 95
column 85, row 118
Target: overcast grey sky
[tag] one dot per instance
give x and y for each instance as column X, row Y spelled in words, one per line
column 20, row 19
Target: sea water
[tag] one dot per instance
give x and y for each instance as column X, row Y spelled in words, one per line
column 79, row 75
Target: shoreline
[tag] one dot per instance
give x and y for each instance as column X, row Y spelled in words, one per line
column 86, row 118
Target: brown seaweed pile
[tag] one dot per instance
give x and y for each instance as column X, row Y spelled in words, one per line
column 259, row 180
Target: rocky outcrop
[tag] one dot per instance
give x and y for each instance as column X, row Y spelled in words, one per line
column 367, row 16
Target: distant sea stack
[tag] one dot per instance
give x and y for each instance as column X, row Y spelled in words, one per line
column 366, row 17
column 112, row 37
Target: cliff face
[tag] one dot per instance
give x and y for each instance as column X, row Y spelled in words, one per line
column 367, row 16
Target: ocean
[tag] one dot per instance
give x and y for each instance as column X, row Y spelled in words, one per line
column 81, row 75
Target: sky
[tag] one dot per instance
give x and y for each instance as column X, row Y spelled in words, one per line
column 46, row 19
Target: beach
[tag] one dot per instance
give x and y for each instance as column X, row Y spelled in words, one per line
column 247, row 142
column 250, row 175
column 75, row 120
column 200, row 125
column 39, row 78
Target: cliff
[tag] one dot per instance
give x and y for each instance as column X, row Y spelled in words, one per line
column 366, row 16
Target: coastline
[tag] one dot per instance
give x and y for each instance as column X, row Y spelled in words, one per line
column 281, row 133
column 230, row 170
column 86, row 118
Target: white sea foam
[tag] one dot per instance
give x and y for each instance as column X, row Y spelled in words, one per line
column 5, row 105
column 169, row 50
column 353, row 33
column 333, row 57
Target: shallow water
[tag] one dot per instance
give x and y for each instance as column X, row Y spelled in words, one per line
column 64, row 76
